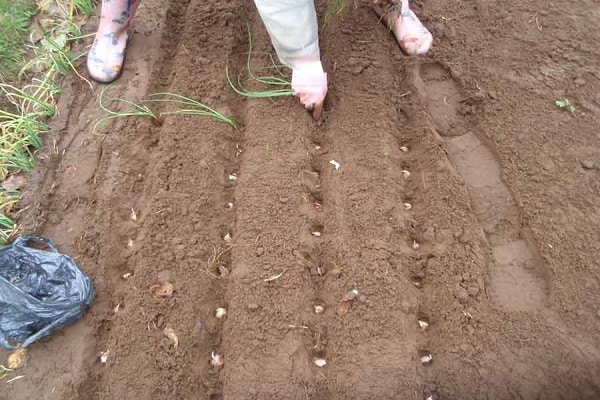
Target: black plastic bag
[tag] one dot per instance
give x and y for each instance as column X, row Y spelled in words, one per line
column 41, row 291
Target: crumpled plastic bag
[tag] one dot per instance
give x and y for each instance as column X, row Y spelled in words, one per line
column 41, row 291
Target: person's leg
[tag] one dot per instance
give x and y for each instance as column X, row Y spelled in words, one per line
column 105, row 59
column 411, row 34
column 292, row 25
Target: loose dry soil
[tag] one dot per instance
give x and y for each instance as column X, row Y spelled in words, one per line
column 500, row 251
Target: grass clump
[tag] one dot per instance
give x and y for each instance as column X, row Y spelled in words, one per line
column 15, row 20
column 29, row 88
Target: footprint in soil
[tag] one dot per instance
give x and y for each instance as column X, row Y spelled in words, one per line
column 518, row 281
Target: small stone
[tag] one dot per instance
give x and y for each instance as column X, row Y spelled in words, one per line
column 319, row 309
column 462, row 296
column 405, row 306
column 283, row 200
column 336, row 273
column 588, row 164
column 259, row 251
column 223, row 271
column 429, row 234
column 357, row 70
column 252, row 306
column 343, row 308
column 350, row 295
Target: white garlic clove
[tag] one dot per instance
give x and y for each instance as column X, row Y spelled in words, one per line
column 320, row 362
column 335, row 164
column 220, row 312
column 103, row 356
column 425, row 357
column 216, row 360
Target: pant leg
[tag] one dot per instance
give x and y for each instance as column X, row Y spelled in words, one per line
column 292, row 25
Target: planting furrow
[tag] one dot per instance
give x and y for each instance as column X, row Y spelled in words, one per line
column 265, row 334
column 166, row 258
column 370, row 235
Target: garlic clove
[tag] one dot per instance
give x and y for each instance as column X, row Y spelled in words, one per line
column 220, row 312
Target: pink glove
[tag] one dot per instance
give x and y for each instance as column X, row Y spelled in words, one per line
column 309, row 83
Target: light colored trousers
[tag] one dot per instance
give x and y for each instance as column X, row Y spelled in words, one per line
column 292, row 25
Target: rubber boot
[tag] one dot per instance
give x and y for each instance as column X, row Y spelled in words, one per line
column 412, row 36
column 106, row 57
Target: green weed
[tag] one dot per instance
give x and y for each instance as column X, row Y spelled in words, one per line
column 565, row 104
column 337, row 7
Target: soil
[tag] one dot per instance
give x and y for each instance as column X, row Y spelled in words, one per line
column 496, row 252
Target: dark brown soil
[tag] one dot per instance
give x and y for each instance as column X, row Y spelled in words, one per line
column 500, row 251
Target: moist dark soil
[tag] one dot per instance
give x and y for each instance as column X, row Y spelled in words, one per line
column 455, row 252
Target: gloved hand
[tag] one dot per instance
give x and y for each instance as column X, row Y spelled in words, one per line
column 309, row 83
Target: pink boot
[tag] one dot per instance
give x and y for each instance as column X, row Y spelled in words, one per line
column 105, row 59
column 410, row 33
